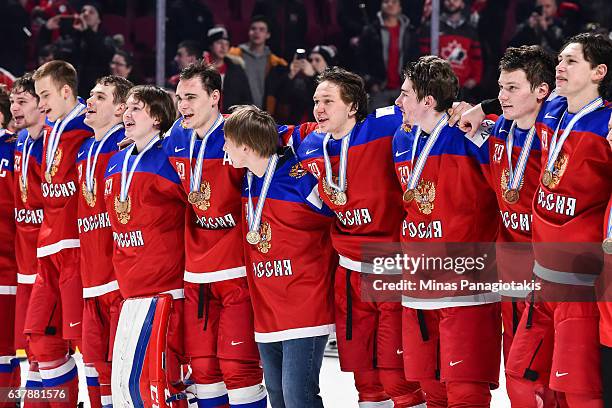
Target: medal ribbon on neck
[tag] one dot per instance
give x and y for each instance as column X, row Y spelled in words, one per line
column 91, row 167
column 254, row 217
column 417, row 168
column 341, row 186
column 557, row 145
column 126, row 179
column 56, row 133
column 196, row 173
column 517, row 173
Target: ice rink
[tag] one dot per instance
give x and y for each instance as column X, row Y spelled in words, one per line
column 337, row 388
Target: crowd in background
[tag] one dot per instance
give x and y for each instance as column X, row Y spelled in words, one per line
column 279, row 46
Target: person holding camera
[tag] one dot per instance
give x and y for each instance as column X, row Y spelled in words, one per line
column 295, row 94
column 541, row 28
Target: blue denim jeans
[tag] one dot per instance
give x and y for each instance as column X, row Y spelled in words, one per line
column 291, row 371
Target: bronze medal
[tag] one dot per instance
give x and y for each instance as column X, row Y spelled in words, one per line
column 195, row 197
column 123, row 208
column 48, row 176
column 90, row 196
column 253, row 237
column 408, row 195
column 547, row 178
column 607, row 246
column 511, row 196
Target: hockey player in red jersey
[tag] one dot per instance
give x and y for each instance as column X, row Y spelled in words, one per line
column 146, row 208
column 55, row 312
column 364, row 197
column 218, row 316
column 568, row 211
column 431, row 160
column 291, row 289
column 525, row 81
column 29, row 121
column 9, row 364
column 605, row 305
column 102, row 300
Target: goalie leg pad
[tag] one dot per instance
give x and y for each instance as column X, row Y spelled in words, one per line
column 139, row 366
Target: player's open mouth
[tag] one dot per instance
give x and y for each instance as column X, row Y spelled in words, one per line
column 18, row 118
column 188, row 116
column 321, row 121
column 128, row 125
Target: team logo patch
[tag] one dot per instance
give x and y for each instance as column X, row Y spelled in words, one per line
column 338, row 198
column 201, row 199
column 54, row 165
column 297, row 171
column 123, row 209
column 424, row 195
column 558, row 171
column 265, row 238
column 90, row 196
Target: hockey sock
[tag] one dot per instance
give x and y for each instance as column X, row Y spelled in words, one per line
column 62, row 376
column 10, row 376
column 93, row 386
column 254, row 396
column 211, row 395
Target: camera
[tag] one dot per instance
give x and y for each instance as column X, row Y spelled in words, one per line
column 538, row 10
column 300, row 53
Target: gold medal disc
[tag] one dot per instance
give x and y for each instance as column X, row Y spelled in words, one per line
column 547, row 178
column 409, row 195
column 511, row 196
column 253, row 237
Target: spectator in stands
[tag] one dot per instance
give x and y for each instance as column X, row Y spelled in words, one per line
column 288, row 23
column 263, row 68
column 14, row 31
column 94, row 49
column 187, row 52
column 295, row 94
column 48, row 53
column 459, row 45
column 541, row 28
column 187, row 20
column 385, row 47
column 81, row 42
column 231, row 68
column 122, row 64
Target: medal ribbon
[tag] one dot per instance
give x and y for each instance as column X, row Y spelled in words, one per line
column 196, row 174
column 557, row 145
column 517, row 173
column 91, row 167
column 126, row 179
column 417, row 168
column 26, row 159
column 56, row 133
column 254, row 218
column 341, row 186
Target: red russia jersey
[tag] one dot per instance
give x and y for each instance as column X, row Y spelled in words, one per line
column 8, row 265
column 28, row 204
column 149, row 250
column 572, row 207
column 371, row 214
column 454, row 202
column 213, row 232
column 213, row 235
column 515, row 259
column 59, row 227
column 290, row 269
column 605, row 307
column 93, row 222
